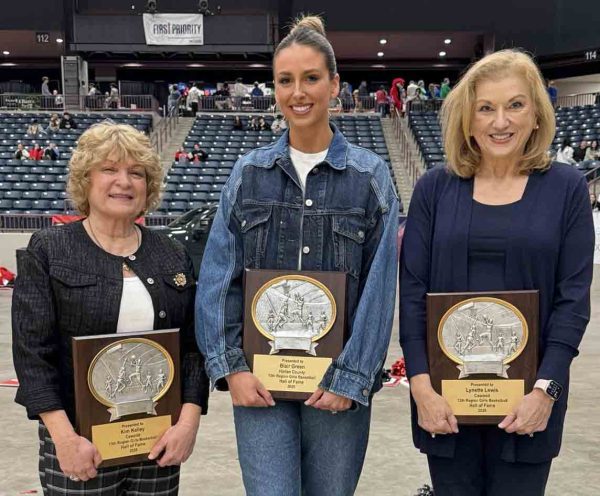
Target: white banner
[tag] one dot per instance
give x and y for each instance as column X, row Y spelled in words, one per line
column 174, row 29
column 597, row 229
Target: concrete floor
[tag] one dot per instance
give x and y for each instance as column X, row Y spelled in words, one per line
column 393, row 466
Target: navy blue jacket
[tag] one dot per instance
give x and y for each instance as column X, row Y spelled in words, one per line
column 550, row 248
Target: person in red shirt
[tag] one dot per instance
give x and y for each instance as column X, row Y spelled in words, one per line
column 397, row 93
column 381, row 98
column 36, row 153
column 181, row 155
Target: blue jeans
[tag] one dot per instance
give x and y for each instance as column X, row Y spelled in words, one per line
column 292, row 449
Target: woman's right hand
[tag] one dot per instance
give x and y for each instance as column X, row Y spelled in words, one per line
column 434, row 413
column 247, row 390
column 77, row 457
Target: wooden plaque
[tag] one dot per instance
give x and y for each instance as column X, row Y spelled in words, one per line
column 127, row 391
column 483, row 351
column 294, row 327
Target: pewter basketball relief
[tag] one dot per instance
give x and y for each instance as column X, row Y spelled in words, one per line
column 293, row 312
column 130, row 376
column 483, row 335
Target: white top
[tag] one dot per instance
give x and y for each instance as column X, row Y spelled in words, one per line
column 565, row 156
column 137, row 311
column 305, row 162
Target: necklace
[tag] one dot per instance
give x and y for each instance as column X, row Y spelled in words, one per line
column 124, row 265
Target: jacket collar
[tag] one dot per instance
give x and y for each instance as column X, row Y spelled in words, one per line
column 336, row 156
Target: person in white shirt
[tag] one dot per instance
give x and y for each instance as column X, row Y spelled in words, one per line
column 565, row 153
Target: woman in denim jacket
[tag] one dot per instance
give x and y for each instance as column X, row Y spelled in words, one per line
column 310, row 201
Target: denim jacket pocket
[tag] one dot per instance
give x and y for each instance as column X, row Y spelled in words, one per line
column 255, row 229
column 349, row 233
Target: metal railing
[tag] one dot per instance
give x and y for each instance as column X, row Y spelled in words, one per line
column 163, row 131
column 593, row 179
column 420, row 105
column 579, row 100
column 29, row 101
column 409, row 150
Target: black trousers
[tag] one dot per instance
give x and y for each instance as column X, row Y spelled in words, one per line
column 194, row 106
column 477, row 468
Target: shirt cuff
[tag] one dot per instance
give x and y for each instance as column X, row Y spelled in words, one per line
column 555, row 364
column 348, row 384
column 415, row 357
column 227, row 363
column 39, row 401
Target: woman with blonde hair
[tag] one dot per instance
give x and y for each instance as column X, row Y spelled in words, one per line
column 310, row 201
column 499, row 216
column 103, row 275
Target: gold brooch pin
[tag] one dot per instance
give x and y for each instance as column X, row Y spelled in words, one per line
column 180, row 279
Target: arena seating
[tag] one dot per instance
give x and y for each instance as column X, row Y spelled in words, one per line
column 28, row 186
column 575, row 123
column 193, row 185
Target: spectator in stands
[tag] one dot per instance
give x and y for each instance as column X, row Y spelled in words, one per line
column 278, row 125
column 104, row 275
column 398, row 94
column 93, row 91
column 509, row 219
column 239, row 92
column 45, row 88
column 58, row 99
column 433, row 91
column 181, row 155
column 197, row 154
column 256, row 91
column 592, row 152
column 238, row 125
column 312, row 449
column 346, row 97
column 67, row 121
column 564, row 154
column 381, row 100
column 21, row 153
column 193, row 98
column 257, row 97
column 553, row 93
column 173, row 100
column 35, row 128
column 51, row 152
column 253, row 124
column 112, row 99
column 53, row 124
column 222, row 98
column 445, row 89
column 262, row 124
column 36, row 152
column 594, row 202
column 579, row 153
column 422, row 91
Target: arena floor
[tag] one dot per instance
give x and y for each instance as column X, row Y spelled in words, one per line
column 393, row 466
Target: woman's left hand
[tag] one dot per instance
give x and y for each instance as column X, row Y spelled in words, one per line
column 531, row 414
column 177, row 443
column 324, row 400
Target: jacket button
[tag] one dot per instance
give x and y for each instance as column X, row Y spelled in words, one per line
column 315, row 170
column 162, row 314
column 308, row 203
column 150, row 280
column 361, row 234
column 243, row 223
column 365, row 392
column 306, row 250
column 131, row 257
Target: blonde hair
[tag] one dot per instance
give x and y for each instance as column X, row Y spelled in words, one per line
column 462, row 153
column 309, row 30
column 108, row 141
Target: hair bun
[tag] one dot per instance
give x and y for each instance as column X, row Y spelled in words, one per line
column 312, row 22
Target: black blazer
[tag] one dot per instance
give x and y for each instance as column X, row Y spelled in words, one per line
column 67, row 286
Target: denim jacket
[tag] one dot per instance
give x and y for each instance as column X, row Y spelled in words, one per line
column 346, row 220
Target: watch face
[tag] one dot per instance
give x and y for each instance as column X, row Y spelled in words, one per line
column 554, row 389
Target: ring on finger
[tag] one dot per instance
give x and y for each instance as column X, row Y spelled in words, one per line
column 74, row 478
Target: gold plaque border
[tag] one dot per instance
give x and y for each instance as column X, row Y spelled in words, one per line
column 297, row 277
column 154, row 344
column 499, row 301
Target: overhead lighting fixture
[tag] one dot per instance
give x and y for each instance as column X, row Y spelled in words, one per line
column 132, row 64
column 447, row 41
column 195, row 65
column 6, row 52
column 257, row 65
column 151, row 6
column 382, row 41
column 8, row 64
column 380, row 54
column 59, row 40
column 442, row 54
column 378, row 66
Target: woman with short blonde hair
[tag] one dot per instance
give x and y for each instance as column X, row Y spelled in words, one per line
column 499, row 217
